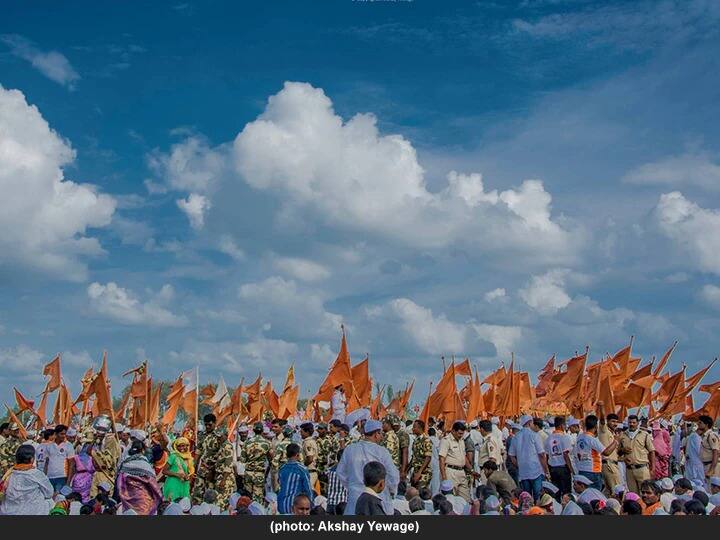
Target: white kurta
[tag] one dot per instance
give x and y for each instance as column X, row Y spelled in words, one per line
column 28, row 493
column 338, row 403
column 350, row 473
column 694, row 469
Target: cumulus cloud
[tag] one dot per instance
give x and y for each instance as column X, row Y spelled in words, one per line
column 692, row 169
column 495, row 294
column 693, row 229
column 123, row 306
column 44, row 218
column 54, row 65
column 289, row 309
column 546, row 293
column 227, row 245
column 191, row 165
column 436, row 334
column 347, row 174
column 711, row 295
column 302, row 269
column 195, row 208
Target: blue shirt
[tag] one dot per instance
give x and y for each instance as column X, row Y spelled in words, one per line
column 525, row 447
column 294, row 479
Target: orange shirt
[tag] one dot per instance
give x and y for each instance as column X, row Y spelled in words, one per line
column 650, row 510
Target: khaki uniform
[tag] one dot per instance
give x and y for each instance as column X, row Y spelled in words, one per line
column 454, row 453
column 710, row 442
column 610, row 467
column 635, row 452
column 391, row 442
column 254, row 454
column 421, row 450
column 310, row 450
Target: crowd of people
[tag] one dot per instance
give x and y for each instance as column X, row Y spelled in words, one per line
column 357, row 465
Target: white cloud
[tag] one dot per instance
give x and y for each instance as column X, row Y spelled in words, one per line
column 711, row 295
column 191, row 165
column 123, row 306
column 695, row 169
column 227, row 245
column 495, row 294
column 301, row 269
column 23, row 359
column 505, row 338
column 54, row 65
column 434, row 334
column 349, row 175
column 195, row 208
column 271, row 356
column 289, row 308
column 43, row 217
column 546, row 293
column 694, row 229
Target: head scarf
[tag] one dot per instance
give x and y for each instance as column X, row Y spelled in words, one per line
column 187, row 456
column 535, row 511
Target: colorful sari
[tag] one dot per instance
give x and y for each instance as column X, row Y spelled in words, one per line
column 663, row 450
column 83, row 477
column 137, row 487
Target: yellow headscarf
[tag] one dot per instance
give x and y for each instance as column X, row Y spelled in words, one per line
column 187, row 456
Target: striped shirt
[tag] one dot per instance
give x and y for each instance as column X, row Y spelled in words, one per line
column 336, row 492
column 294, row 479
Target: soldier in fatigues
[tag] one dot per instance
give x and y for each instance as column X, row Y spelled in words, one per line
column 9, row 447
column 422, row 450
column 255, row 454
column 709, row 447
column 214, row 465
column 637, row 449
column 280, row 455
column 327, row 450
column 404, row 443
column 390, row 441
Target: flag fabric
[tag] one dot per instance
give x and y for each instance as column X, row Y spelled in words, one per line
column 361, row 381
column 23, row 403
column 14, row 419
column 664, row 360
column 340, row 374
column 52, row 370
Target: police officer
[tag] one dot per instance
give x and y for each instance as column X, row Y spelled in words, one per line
column 709, row 447
column 310, row 451
column 452, row 460
column 637, row 450
column 606, row 434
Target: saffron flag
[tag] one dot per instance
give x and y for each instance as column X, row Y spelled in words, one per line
column 52, row 370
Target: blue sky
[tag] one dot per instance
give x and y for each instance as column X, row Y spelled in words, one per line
column 222, row 184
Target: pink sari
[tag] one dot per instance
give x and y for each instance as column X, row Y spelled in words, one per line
column 137, row 487
column 661, row 441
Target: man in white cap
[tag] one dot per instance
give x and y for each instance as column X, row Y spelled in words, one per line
column 528, row 455
column 353, row 461
column 586, row 493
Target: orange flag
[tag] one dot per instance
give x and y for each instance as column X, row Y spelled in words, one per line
column 14, row 419
column 463, row 369
column 362, row 382
column 710, row 388
column 41, row 411
column 289, row 378
column 340, row 374
column 52, row 370
column 288, row 402
column 545, row 378
column 376, row 404
column 695, row 379
column 664, row 360
column 100, row 388
column 606, row 395
column 271, row 398
column 476, row 406
column 508, row 401
column 642, row 372
column 526, row 392
column 174, row 402
column 569, row 387
column 23, row 403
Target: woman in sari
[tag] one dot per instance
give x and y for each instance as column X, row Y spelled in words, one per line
column 661, row 442
column 81, row 470
column 136, row 486
column 178, row 471
column 24, row 490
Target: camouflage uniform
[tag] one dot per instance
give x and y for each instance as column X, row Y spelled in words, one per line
column 7, row 454
column 391, row 442
column 404, row 442
column 279, row 459
column 105, row 457
column 215, row 469
column 327, row 455
column 254, row 454
column 422, row 449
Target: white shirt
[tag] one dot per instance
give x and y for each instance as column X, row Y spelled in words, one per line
column 556, row 445
column 588, row 452
column 350, row 473
column 55, row 457
column 525, row 447
column 338, row 402
column 28, row 493
column 591, row 494
column 402, row 506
